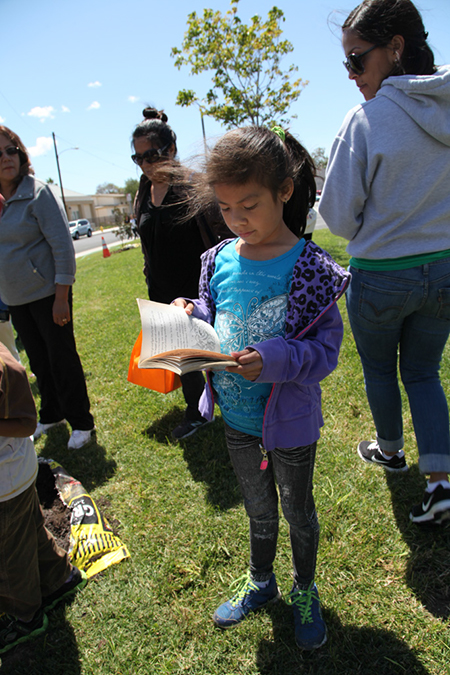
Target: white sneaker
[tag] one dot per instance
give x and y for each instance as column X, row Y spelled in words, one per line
column 79, row 438
column 43, row 428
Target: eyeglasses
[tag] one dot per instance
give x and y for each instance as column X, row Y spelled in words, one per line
column 10, row 151
column 354, row 62
column 150, row 156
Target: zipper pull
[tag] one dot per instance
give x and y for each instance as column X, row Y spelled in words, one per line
column 265, row 458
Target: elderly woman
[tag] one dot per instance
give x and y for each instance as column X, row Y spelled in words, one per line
column 37, row 270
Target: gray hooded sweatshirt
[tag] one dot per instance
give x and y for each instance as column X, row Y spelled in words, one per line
column 36, row 249
column 387, row 188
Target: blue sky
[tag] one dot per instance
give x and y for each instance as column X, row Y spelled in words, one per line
column 85, row 70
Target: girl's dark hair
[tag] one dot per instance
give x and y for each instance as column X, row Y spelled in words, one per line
column 25, row 163
column 154, row 127
column 258, row 154
column 377, row 21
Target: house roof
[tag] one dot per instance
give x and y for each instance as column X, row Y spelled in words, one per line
column 67, row 193
column 72, row 196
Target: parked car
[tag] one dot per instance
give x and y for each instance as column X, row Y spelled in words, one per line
column 79, row 227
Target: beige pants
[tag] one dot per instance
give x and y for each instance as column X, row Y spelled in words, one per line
column 32, row 565
column 7, row 337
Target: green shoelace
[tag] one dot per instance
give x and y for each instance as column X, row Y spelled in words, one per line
column 303, row 601
column 242, row 587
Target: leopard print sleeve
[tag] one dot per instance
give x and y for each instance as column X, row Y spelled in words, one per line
column 317, row 282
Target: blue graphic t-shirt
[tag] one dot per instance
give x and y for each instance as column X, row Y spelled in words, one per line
column 251, row 302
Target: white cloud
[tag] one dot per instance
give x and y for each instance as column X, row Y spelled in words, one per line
column 95, row 84
column 133, row 99
column 94, row 105
column 64, row 108
column 2, row 120
column 45, row 113
column 43, row 145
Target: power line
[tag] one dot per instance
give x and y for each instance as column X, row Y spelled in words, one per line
column 87, row 152
column 22, row 118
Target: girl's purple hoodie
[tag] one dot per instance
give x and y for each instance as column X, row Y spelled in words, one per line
column 297, row 362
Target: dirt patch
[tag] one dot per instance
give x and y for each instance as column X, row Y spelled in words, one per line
column 56, row 514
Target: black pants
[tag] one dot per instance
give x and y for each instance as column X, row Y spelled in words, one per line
column 292, row 470
column 192, row 385
column 54, row 360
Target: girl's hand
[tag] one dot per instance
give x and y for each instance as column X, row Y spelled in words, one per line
column 187, row 306
column 249, row 364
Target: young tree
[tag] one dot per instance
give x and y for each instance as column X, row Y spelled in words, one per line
column 245, row 61
column 122, row 222
column 320, row 158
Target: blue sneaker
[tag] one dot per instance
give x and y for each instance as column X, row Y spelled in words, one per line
column 248, row 598
column 310, row 628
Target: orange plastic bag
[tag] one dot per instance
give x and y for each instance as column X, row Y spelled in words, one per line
column 163, row 381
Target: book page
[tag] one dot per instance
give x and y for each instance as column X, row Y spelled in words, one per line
column 166, row 327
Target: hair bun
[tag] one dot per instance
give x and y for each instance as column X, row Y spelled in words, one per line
column 153, row 114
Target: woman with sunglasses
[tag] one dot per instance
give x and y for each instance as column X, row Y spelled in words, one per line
column 37, row 270
column 386, row 192
column 172, row 242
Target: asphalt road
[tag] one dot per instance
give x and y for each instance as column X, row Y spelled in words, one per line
column 86, row 245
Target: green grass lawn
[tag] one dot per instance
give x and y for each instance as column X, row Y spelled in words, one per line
column 384, row 583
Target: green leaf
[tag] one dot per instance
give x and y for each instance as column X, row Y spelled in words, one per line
column 244, row 63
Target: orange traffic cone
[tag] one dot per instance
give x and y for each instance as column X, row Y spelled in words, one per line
column 106, row 252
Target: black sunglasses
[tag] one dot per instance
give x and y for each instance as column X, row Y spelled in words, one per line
column 354, row 62
column 150, row 156
column 10, row 151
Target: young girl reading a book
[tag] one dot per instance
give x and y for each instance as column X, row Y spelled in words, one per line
column 271, row 297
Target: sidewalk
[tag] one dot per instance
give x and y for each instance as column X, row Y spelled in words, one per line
column 320, row 223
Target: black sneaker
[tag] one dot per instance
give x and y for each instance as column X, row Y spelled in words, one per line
column 78, row 581
column 370, row 452
column 434, row 509
column 13, row 631
column 189, row 427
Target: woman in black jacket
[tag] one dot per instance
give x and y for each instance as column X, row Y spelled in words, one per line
column 172, row 241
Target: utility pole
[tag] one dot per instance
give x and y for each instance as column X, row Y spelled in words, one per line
column 203, row 130
column 59, row 174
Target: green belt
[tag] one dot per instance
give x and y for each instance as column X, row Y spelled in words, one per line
column 403, row 263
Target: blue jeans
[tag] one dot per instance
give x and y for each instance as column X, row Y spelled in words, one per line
column 403, row 317
column 292, row 469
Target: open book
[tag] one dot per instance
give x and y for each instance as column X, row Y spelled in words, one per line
column 173, row 340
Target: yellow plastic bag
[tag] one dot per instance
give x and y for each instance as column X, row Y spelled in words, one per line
column 93, row 545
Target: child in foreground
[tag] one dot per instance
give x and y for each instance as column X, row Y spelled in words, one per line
column 35, row 574
column 271, row 297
